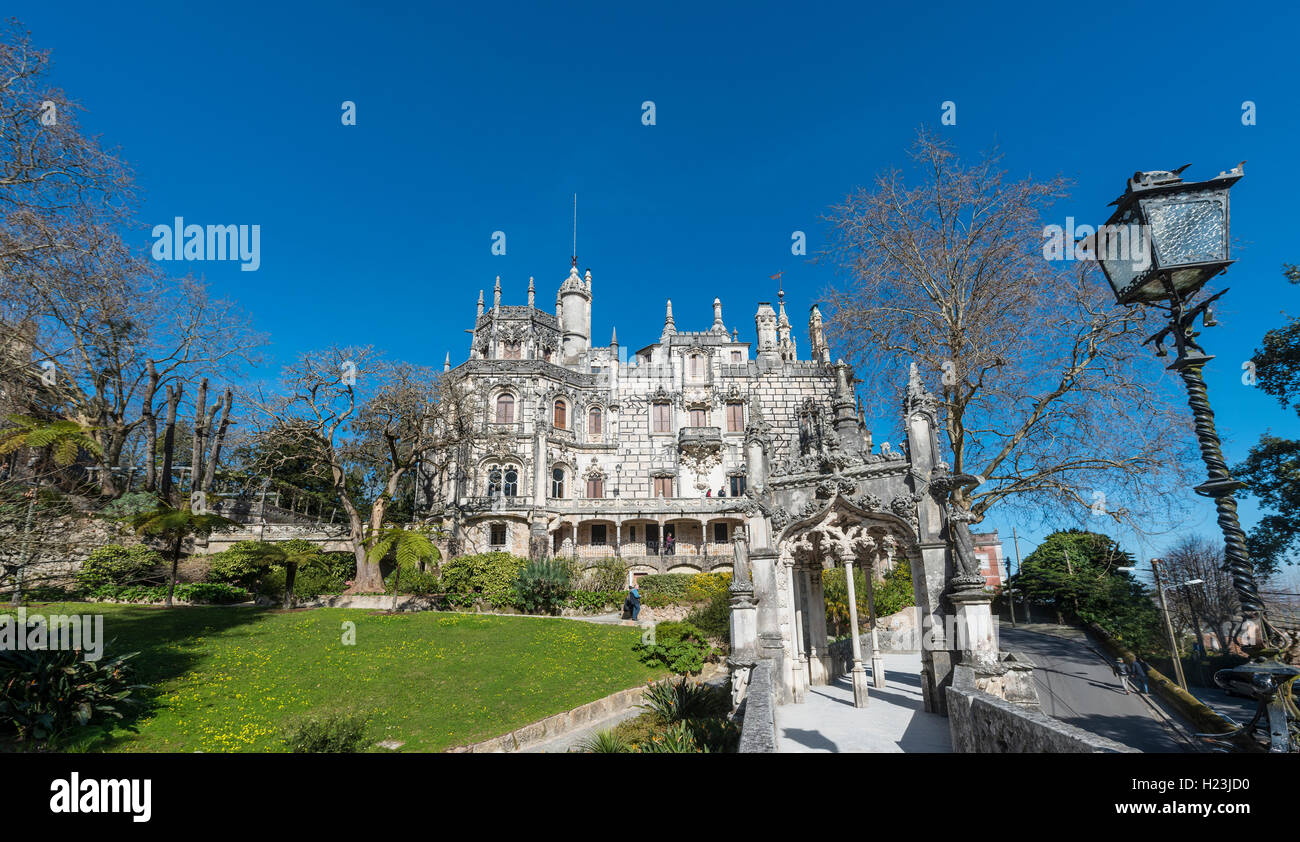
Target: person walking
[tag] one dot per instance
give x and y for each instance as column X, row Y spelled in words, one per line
column 1140, row 669
column 1122, row 672
column 669, row 542
column 634, row 597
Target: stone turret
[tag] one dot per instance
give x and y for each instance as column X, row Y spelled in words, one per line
column 821, row 352
column 784, row 340
column 670, row 329
column 575, row 298
column 765, row 326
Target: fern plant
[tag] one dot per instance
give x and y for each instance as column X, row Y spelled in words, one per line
column 411, row 547
column 62, row 439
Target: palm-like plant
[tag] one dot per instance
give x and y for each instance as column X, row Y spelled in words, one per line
column 61, row 439
column 292, row 555
column 410, row 546
column 173, row 526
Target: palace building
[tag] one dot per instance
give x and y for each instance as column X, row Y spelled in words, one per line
column 598, row 452
column 704, row 452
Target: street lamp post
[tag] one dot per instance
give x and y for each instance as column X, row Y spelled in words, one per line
column 1165, row 240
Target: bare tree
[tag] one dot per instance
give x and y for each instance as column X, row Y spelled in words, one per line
column 1212, row 603
column 347, row 410
column 94, row 314
column 1047, row 393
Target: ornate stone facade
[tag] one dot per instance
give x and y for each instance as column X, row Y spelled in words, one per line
column 705, row 452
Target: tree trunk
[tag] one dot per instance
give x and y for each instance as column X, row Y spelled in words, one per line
column 214, row 453
column 397, row 575
column 151, row 431
column 200, row 432
column 290, row 572
column 169, row 440
column 176, row 562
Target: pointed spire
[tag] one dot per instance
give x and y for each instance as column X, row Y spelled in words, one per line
column 670, row 329
column 480, row 304
column 496, row 294
column 532, row 292
column 587, row 280
column 718, row 326
column 446, row 364
column 613, row 339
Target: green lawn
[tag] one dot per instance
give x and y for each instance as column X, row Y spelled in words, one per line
column 229, row 679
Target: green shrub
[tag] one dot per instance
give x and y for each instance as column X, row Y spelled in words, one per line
column 489, row 576
column 334, row 734
column 604, row 742
column 46, row 693
column 217, row 593
column 679, row 646
column 543, row 585
column 674, row 701
column 714, row 617
column 414, row 581
column 114, row 564
column 664, row 588
column 705, row 586
column 237, row 565
column 609, row 574
column 308, row 583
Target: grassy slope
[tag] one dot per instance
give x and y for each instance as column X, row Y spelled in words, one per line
column 229, row 679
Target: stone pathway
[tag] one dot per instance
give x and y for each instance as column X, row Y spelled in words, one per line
column 894, row 720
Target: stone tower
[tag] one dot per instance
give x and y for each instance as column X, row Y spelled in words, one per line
column 575, row 302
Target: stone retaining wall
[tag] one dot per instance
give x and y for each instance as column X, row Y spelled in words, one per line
column 559, row 724
column 982, row 722
column 758, row 723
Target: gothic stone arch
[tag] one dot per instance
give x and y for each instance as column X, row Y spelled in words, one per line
column 837, row 534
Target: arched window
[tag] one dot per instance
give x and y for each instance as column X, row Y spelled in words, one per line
column 512, row 482
column 494, row 482
column 561, row 415
column 506, row 409
column 557, row 482
column 512, row 350
column 593, row 421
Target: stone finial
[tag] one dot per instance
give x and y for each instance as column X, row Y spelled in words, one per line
column 480, row 303
column 446, row 364
column 496, row 294
column 587, row 279
column 613, row 338
column 532, row 292
column 821, row 352
column 670, row 328
column 718, row 326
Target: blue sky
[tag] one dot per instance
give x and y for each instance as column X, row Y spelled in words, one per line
column 475, row 120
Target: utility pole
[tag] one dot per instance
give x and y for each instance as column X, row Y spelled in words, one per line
column 1029, row 617
column 1169, row 626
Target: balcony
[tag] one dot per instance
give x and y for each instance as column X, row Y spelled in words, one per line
column 699, row 438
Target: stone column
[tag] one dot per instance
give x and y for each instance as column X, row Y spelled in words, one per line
column 798, row 660
column 975, row 636
column 877, row 659
column 763, row 566
column 858, row 673
column 818, row 651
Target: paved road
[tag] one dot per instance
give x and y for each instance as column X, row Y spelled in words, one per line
column 1078, row 686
